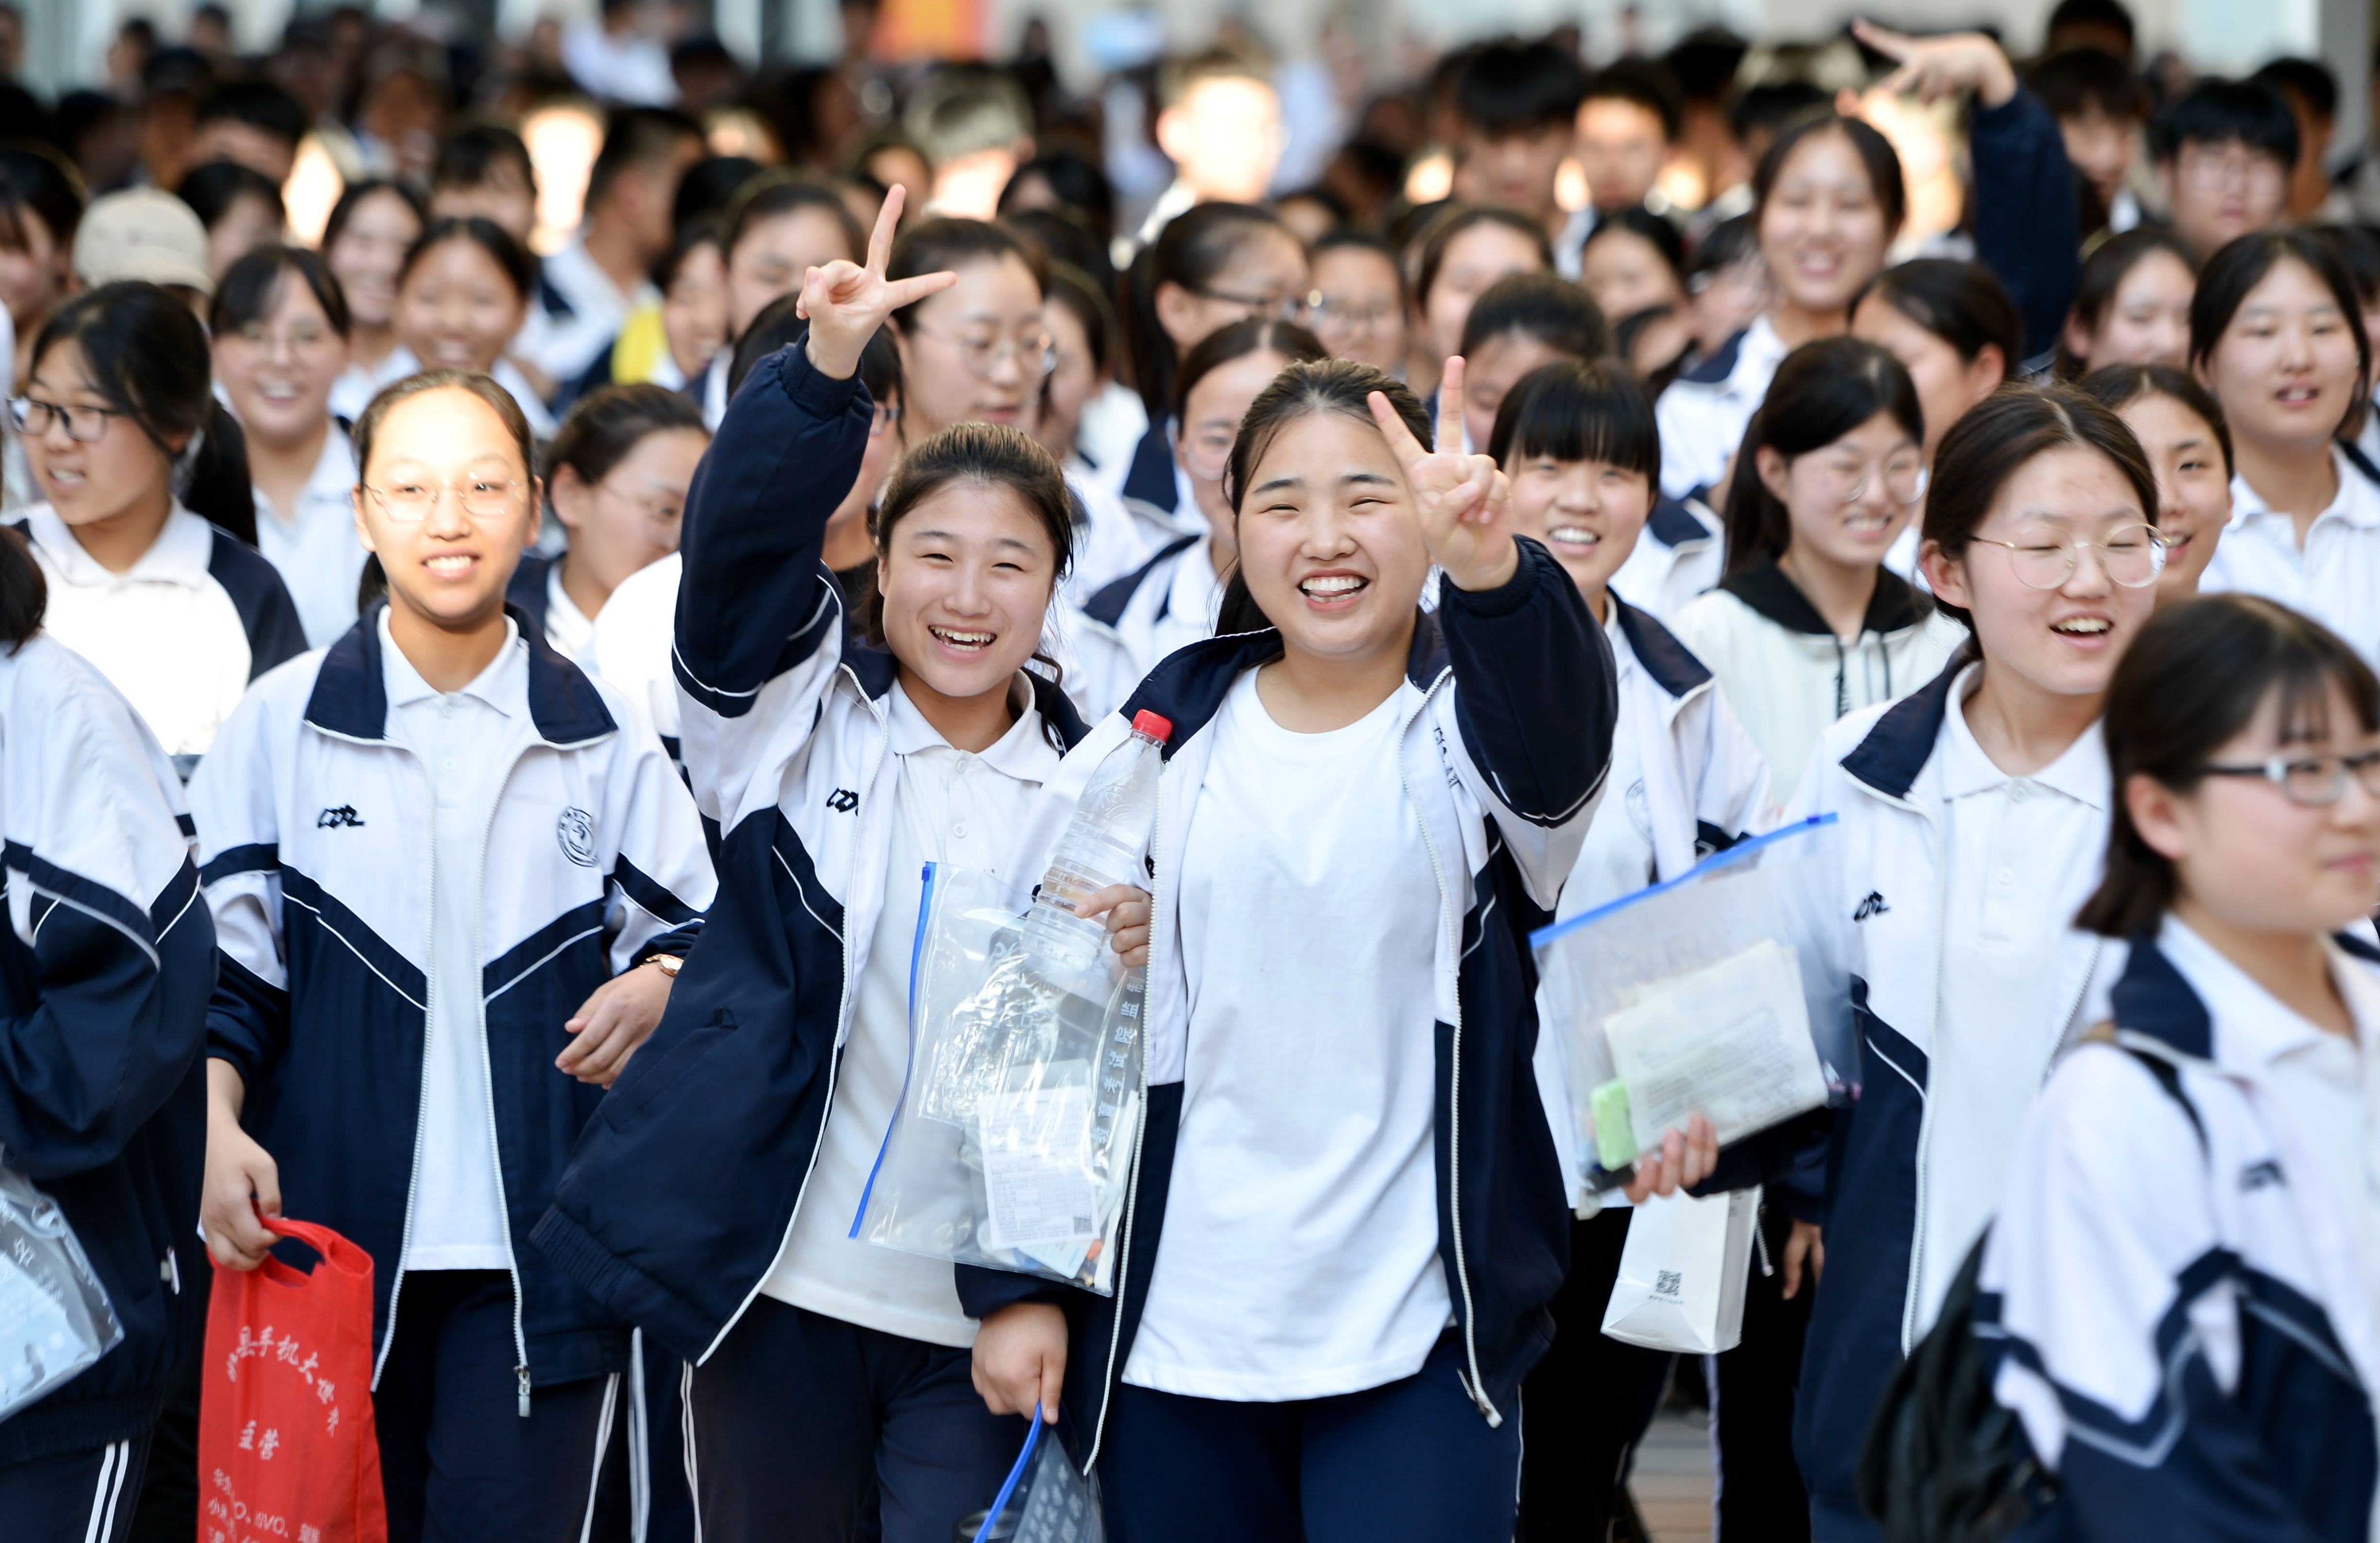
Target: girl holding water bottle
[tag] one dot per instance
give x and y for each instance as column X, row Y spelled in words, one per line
column 838, row 756
column 1347, row 1215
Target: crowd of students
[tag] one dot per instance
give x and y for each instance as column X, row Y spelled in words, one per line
column 474, row 725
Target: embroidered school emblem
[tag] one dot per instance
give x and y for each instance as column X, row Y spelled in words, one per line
column 575, row 831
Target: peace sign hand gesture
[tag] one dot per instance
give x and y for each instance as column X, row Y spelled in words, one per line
column 844, row 303
column 1952, row 64
column 1462, row 502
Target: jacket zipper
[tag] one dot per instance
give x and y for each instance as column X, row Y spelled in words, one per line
column 1909, row 1290
column 1476, row 1386
column 834, row 1055
column 421, row 1105
column 487, row 1077
column 1132, row 1189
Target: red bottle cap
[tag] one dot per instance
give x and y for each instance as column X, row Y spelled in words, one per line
column 1149, row 723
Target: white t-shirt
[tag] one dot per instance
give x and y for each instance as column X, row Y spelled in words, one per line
column 314, row 545
column 458, row 1208
column 2023, row 853
column 948, row 807
column 1300, row 1252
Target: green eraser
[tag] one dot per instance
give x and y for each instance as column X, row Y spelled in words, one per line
column 1615, row 1136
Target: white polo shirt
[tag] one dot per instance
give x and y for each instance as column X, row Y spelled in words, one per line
column 629, row 641
column 313, row 546
column 2335, row 580
column 1703, row 413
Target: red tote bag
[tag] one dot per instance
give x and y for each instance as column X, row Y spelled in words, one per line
column 286, row 1448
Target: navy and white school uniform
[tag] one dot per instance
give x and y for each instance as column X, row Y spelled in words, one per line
column 2183, row 1278
column 106, row 960
column 1952, row 901
column 1347, row 1217
column 181, row 633
column 631, row 642
column 579, row 310
column 313, row 546
column 1679, row 556
column 2335, row 577
column 1119, row 634
column 1685, row 781
column 1703, row 413
column 830, row 792
column 1153, row 476
column 1787, row 673
column 1113, row 535
column 536, row 590
column 413, row 891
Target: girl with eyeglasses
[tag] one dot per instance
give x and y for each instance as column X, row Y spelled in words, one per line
column 1974, row 818
column 979, row 351
column 2277, row 336
column 173, row 611
column 452, row 884
column 2208, row 1163
column 1808, row 624
column 1212, row 265
column 1358, row 306
column 1120, row 633
column 618, row 473
column 281, row 328
column 837, row 756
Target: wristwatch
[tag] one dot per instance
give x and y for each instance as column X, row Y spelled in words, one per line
column 669, row 964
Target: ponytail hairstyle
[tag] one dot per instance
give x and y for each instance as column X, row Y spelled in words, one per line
column 24, row 593
column 1328, row 385
column 1960, row 303
column 994, row 458
column 145, row 352
column 2104, row 272
column 1196, row 246
column 1997, row 438
column 216, row 485
column 1257, row 334
column 1823, row 391
column 2194, row 679
column 606, row 425
column 373, row 585
column 2119, row 385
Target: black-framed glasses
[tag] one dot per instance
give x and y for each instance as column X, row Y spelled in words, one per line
column 408, row 500
column 33, row 417
column 2312, row 781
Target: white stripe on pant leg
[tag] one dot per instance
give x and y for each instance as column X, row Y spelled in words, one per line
column 686, row 1423
column 123, row 1472
column 641, row 1442
column 603, row 1439
column 102, row 1497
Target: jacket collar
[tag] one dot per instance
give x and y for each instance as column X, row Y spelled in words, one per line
column 2177, row 989
column 181, row 553
column 1719, row 367
column 1670, row 664
column 1107, row 607
column 1188, row 685
column 1770, row 594
column 1673, row 524
column 877, row 670
column 2080, row 772
column 1900, row 742
column 351, row 695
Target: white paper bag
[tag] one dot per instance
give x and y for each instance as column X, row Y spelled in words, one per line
column 1684, row 1272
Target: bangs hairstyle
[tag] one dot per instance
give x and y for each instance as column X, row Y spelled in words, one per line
column 1511, row 88
column 1569, row 411
column 509, row 255
column 2001, row 435
column 2193, row 681
column 144, row 351
column 37, row 180
column 1341, row 386
column 252, row 286
column 2119, row 385
column 1823, row 391
column 1546, row 306
column 1874, row 150
column 1255, row 334
column 1960, row 303
column 2104, row 272
column 2239, row 266
column 1449, row 225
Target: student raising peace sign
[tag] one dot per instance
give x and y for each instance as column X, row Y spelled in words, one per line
column 844, row 303
column 1463, row 504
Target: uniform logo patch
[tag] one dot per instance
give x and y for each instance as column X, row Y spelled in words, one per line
column 2260, row 1176
column 1873, row 906
column 842, row 800
column 575, row 831
column 343, row 817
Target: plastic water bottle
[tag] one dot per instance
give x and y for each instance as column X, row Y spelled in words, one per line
column 1102, row 846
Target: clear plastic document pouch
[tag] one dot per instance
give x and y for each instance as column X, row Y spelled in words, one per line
column 55, row 1317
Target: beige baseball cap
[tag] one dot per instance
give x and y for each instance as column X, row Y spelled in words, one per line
column 141, row 233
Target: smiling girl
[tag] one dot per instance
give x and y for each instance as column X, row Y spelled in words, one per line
column 2277, row 336
column 1809, row 624
column 461, row 299
column 176, row 613
column 839, row 756
column 452, row 892
column 1363, row 809
column 372, row 227
column 2182, row 433
column 281, row 328
column 2211, row 1165
column 2132, row 306
column 1172, row 599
